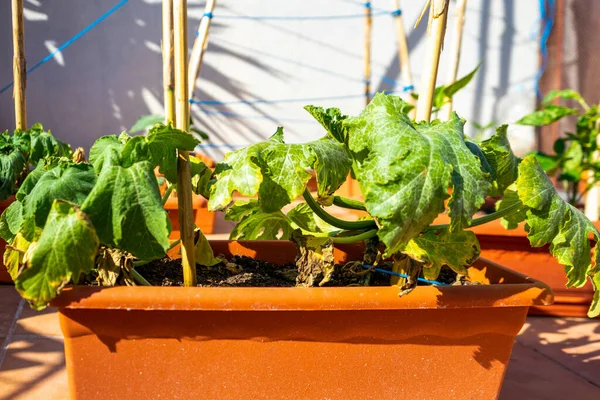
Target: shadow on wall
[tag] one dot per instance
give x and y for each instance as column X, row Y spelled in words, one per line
column 115, row 97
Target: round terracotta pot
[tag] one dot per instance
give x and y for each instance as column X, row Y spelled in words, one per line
column 4, row 275
column 512, row 248
column 338, row 343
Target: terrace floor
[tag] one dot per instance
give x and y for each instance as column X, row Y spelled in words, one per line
column 553, row 358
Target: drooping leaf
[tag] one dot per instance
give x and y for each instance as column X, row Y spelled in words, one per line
column 11, row 220
column 332, row 120
column 314, row 259
column 332, row 165
column 201, row 177
column 204, row 252
column 405, row 170
column 501, row 158
column 511, row 198
column 126, row 209
column 14, row 255
column 65, row 250
column 564, row 94
column 551, row 220
column 146, row 122
column 67, row 181
column 302, row 217
column 457, row 250
column 547, row 115
column 11, row 167
column 255, row 224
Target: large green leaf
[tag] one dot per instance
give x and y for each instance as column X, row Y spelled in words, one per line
column 546, row 116
column 67, row 181
column 254, row 224
column 65, row 250
column 457, row 250
column 11, row 167
column 163, row 143
column 332, row 120
column 405, row 170
column 551, row 220
column 43, row 145
column 126, row 209
column 237, row 172
column 501, row 158
column 285, row 172
column 103, row 148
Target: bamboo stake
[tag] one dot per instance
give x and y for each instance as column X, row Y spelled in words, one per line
column 182, row 121
column 459, row 23
column 167, row 53
column 368, row 26
column 200, row 45
column 403, row 52
column 436, row 29
column 19, row 69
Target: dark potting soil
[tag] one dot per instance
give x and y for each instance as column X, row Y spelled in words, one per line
column 239, row 271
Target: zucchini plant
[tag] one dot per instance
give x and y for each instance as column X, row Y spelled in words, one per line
column 72, row 218
column 22, row 151
column 573, row 160
column 408, row 172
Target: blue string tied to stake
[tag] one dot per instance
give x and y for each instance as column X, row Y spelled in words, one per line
column 396, row 13
column 208, row 15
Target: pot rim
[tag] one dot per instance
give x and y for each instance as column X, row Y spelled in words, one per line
column 517, row 291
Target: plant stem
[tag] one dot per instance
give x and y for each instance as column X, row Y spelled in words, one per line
column 355, row 238
column 167, row 49
column 438, row 13
column 167, row 194
column 172, row 246
column 484, row 220
column 19, row 74
column 139, row 279
column 349, row 203
column 331, row 220
column 182, row 121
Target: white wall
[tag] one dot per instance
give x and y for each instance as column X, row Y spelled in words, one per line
column 112, row 75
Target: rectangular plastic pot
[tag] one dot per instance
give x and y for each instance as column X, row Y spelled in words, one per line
column 338, row 343
column 512, row 248
column 4, row 275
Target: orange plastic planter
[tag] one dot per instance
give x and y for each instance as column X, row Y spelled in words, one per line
column 295, row 343
column 512, row 248
column 4, row 275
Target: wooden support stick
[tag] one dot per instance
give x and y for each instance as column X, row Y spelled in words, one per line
column 459, row 22
column 19, row 69
column 436, row 29
column 200, row 45
column 368, row 26
column 403, row 51
column 167, row 53
column 182, row 121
